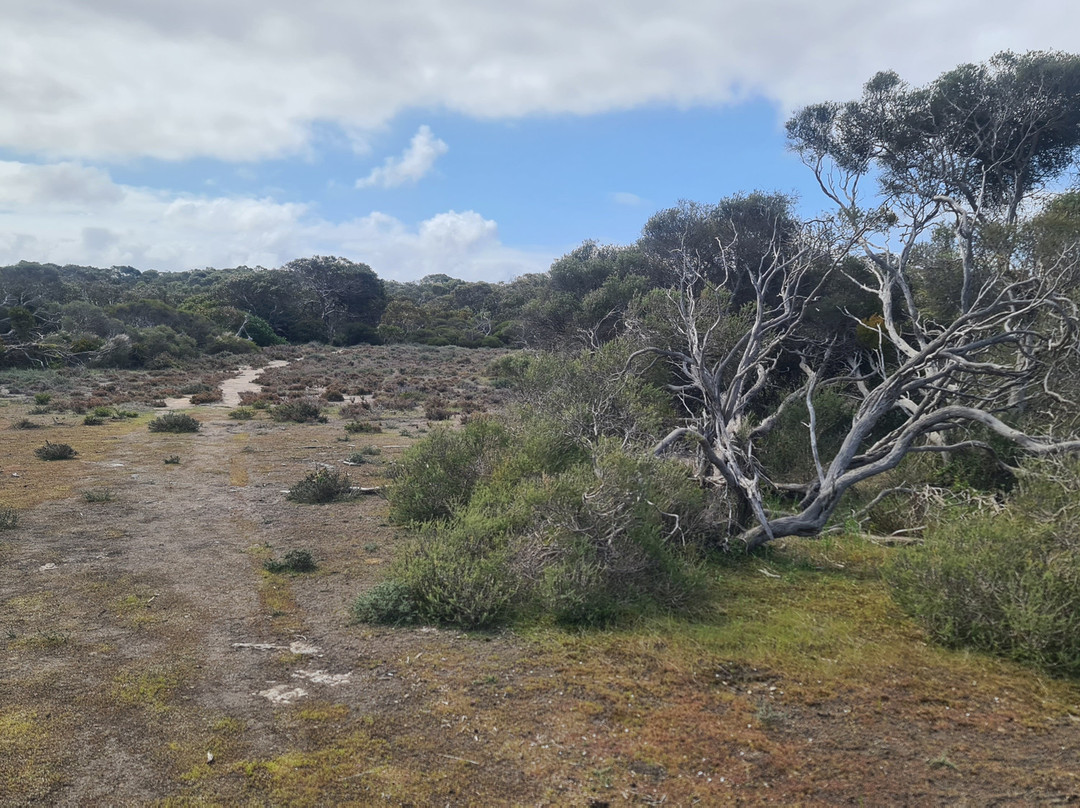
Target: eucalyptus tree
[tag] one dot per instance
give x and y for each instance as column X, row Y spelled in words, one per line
column 965, row 157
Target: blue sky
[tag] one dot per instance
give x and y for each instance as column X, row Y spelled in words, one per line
column 459, row 136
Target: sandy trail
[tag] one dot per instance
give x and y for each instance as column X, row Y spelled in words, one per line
column 242, row 382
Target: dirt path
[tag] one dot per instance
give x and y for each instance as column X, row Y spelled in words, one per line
column 242, row 382
column 150, row 635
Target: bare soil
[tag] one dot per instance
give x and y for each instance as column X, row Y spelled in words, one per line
column 148, row 657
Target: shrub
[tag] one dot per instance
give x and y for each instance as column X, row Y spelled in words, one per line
column 172, row 460
column 608, row 538
column 92, row 420
column 362, row 427
column 227, row 343
column 242, row 414
column 436, row 410
column 9, row 518
column 55, row 451
column 354, row 410
column 321, row 486
column 300, row 411
column 41, row 399
column 209, row 397
column 529, row 526
column 293, row 561
column 174, row 422
column 25, row 423
column 438, row 474
column 387, row 603
column 458, row 577
column 103, row 412
column 356, row 459
column 101, row 495
column 333, row 394
column 1007, row 583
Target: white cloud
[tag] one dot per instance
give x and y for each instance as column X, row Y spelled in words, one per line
column 102, row 223
column 254, row 79
column 626, row 198
column 416, row 161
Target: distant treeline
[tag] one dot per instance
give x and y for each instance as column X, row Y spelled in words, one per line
column 124, row 317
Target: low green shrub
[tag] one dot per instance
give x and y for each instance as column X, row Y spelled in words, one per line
column 386, row 603
column 321, row 486
column 55, row 451
column 299, row 411
column 9, row 518
column 242, row 414
column 92, row 420
column 292, row 561
column 26, row 423
column 1007, row 583
column 528, row 528
column 172, row 460
column 175, row 422
column 457, row 577
column 41, row 399
column 100, row 495
column 363, row 428
column 438, row 474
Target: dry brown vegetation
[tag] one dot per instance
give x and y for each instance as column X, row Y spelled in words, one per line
column 142, row 632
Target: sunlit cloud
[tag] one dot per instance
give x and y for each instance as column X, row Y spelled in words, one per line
column 416, row 161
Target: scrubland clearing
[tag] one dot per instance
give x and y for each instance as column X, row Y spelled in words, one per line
column 149, row 656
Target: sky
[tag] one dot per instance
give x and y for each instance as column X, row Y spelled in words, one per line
column 481, row 139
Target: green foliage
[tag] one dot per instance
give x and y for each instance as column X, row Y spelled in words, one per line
column 260, row 332
column 174, row 422
column 55, row 451
column 100, row 495
column 293, row 561
column 438, row 475
column 242, row 414
column 172, row 460
column 41, row 399
column 362, row 427
column 321, row 486
column 457, row 576
column 610, row 540
column 92, row 420
column 230, row 344
column 1008, row 583
column 589, row 397
column 303, row 410
column 527, row 523
column 387, row 603
column 786, row 452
